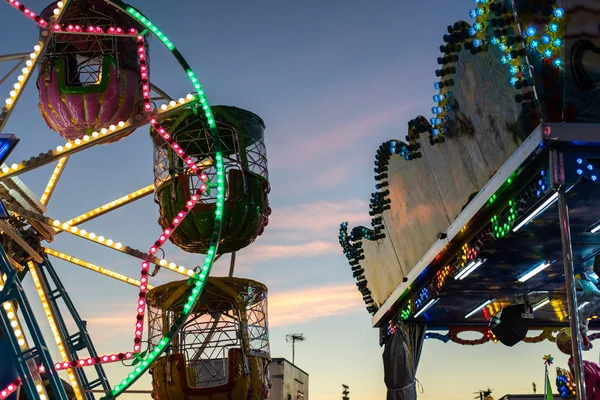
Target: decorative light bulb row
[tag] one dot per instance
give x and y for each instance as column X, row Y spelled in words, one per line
column 163, row 38
column 53, row 327
column 470, row 251
column 10, row 389
column 17, row 87
column 87, row 362
column 68, row 364
column 52, row 181
column 547, row 45
column 13, row 319
column 30, row 14
column 113, row 204
column 144, row 73
column 174, row 103
column 588, row 169
column 95, row 30
column 198, row 280
column 112, row 244
column 95, row 268
column 439, row 111
column 58, row 10
column 69, row 147
column 141, row 309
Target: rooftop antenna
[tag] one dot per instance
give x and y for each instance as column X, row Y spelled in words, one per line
column 346, row 392
column 294, row 337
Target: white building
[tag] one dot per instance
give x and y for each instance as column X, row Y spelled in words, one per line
column 289, row 381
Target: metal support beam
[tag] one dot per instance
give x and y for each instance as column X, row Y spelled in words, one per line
column 14, row 57
column 75, row 342
column 26, row 361
column 12, row 71
column 161, row 92
column 558, row 181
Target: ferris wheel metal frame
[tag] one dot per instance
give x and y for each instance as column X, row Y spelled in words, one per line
column 16, row 315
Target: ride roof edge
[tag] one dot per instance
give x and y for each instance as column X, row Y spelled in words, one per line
column 564, row 133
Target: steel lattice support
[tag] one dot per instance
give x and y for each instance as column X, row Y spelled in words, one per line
column 77, row 341
column 25, row 361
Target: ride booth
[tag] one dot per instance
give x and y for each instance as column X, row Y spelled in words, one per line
column 486, row 216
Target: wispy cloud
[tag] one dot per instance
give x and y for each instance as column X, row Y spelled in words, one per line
column 263, row 252
column 308, row 146
column 113, row 326
column 333, row 176
column 319, row 217
column 285, row 308
column 293, row 307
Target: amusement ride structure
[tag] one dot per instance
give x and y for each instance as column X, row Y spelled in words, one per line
column 201, row 337
column 485, row 217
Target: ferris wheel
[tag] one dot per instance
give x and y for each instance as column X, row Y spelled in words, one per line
column 200, row 337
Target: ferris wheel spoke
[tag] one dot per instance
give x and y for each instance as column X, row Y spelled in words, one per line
column 161, row 93
column 38, row 52
column 94, row 268
column 28, row 13
column 13, row 69
column 105, row 134
column 51, row 185
column 101, row 240
column 42, row 291
column 111, row 206
column 14, row 57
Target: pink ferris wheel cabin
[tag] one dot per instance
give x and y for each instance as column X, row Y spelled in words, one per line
column 89, row 80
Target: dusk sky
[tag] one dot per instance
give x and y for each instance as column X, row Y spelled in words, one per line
column 332, row 80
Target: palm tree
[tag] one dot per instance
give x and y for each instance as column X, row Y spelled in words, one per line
column 484, row 394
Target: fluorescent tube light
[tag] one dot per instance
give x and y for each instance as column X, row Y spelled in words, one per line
column 535, row 270
column 480, row 307
column 427, row 306
column 541, row 304
column 470, row 267
column 595, row 229
column 585, row 303
column 537, row 211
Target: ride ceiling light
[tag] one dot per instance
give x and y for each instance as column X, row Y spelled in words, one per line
column 595, row 228
column 539, row 267
column 479, row 308
column 427, row 306
column 541, row 304
column 536, row 212
column 472, row 266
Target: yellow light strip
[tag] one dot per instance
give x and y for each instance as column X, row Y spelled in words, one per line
column 52, row 321
column 11, row 312
column 14, row 319
column 95, row 268
column 58, row 170
column 89, row 140
column 96, row 212
column 30, row 65
column 92, row 237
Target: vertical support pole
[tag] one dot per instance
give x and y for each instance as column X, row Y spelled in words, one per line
column 293, row 351
column 558, row 181
column 232, row 264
